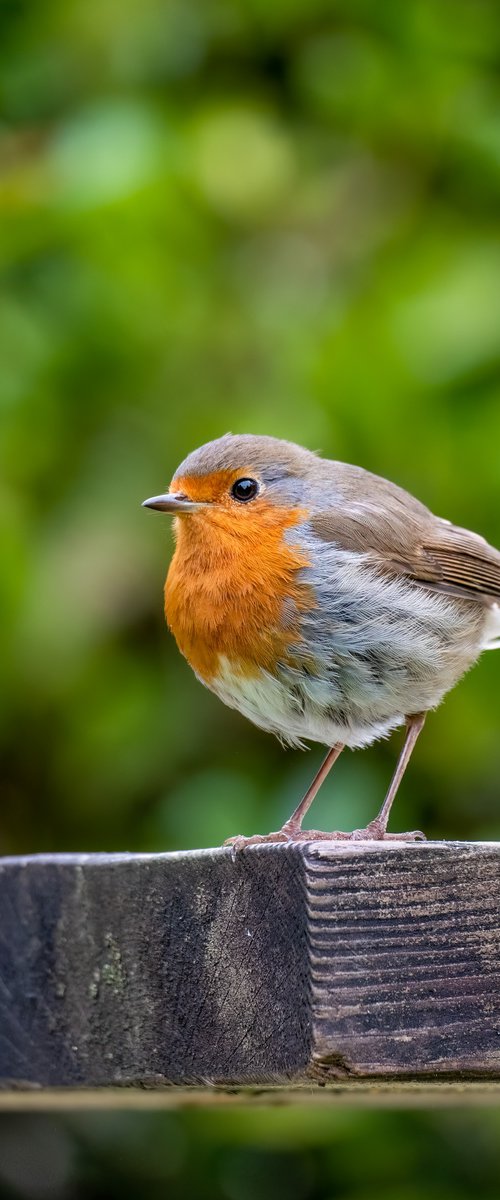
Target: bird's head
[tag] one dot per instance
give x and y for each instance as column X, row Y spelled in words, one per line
column 237, row 480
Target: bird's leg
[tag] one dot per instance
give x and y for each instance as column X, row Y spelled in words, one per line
column 292, row 829
column 294, row 824
column 377, row 828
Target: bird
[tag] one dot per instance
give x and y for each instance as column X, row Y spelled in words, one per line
column 323, row 602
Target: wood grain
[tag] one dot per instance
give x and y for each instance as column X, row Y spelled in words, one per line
column 293, row 967
column 405, row 959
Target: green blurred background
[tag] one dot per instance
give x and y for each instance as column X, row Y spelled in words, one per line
column 268, row 216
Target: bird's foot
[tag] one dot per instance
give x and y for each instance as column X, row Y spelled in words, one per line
column 240, row 842
column 289, row 833
column 375, row 832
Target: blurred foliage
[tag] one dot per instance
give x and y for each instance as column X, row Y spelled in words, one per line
column 289, row 1153
column 266, row 217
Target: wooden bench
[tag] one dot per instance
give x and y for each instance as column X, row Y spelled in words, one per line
column 333, row 971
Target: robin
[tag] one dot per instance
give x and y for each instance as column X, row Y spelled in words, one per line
column 321, row 601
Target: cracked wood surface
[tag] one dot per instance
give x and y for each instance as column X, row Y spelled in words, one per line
column 282, row 966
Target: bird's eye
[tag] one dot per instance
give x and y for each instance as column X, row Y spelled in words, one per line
column 244, row 489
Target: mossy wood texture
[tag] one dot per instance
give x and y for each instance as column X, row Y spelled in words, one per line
column 281, row 965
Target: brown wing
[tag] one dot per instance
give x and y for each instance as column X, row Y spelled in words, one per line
column 464, row 560
column 373, row 516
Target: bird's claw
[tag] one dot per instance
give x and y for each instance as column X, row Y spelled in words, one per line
column 289, row 834
column 240, row 842
column 374, row 833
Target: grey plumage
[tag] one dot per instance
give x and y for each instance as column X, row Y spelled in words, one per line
column 272, row 457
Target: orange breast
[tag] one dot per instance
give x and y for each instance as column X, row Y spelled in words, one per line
column 227, row 585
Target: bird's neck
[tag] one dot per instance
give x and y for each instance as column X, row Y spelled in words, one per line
column 235, row 593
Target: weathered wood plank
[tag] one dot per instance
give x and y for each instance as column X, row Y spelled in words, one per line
column 405, row 959
column 284, row 966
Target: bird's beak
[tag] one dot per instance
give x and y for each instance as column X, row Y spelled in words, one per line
column 173, row 502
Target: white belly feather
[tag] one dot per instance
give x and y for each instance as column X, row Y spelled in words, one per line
column 274, row 705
